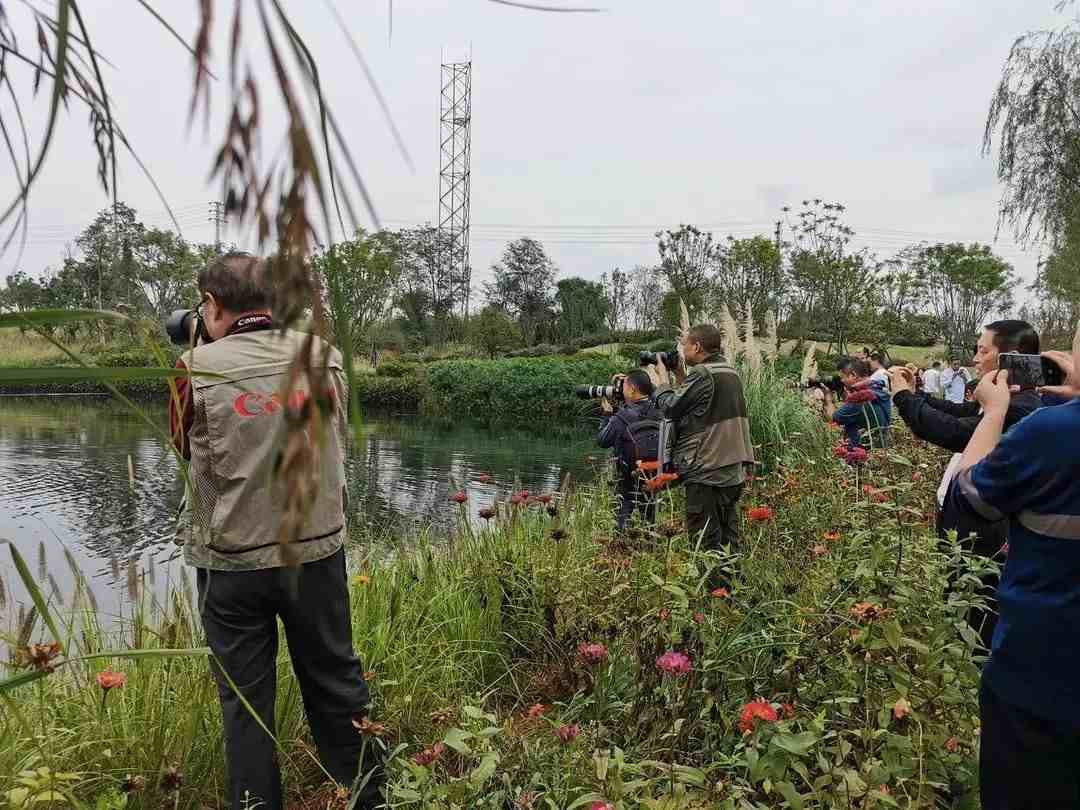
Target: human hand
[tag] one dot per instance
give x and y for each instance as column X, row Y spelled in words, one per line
column 901, row 379
column 1067, row 363
column 606, row 407
column 993, row 392
column 657, row 372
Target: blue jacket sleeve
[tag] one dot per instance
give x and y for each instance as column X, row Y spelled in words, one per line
column 849, row 414
column 610, row 432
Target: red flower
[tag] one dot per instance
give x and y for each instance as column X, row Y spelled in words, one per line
column 879, row 497
column 699, row 618
column 719, row 593
column 544, row 499
column 840, row 450
column 674, row 663
column 592, row 654
column 952, row 745
column 860, row 396
column 663, row 614
column 486, row 512
column 760, row 514
column 459, row 496
column 787, row 710
column 753, row 711
column 600, row 806
column 901, row 709
column 536, row 710
column 856, row 455
column 867, row 489
column 108, row 679
column 916, row 476
column 429, row 755
column 832, row 537
column 524, row 494
column 568, row 733
column 517, row 500
column 484, row 478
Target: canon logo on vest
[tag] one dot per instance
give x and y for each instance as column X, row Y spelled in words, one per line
column 255, row 403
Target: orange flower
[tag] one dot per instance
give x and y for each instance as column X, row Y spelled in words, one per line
column 720, row 593
column 760, row 514
column 832, row 537
column 756, row 710
column 901, row 709
column 107, row 679
column 360, row 580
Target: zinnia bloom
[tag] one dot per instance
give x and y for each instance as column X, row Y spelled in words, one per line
column 832, row 537
column 753, row 711
column 719, row 593
column 484, row 478
column 517, row 500
column 536, row 710
column 840, row 450
column 107, row 679
column 699, row 617
column 787, row 710
column 40, row 656
column 952, row 745
column 429, row 755
column 600, row 806
column 674, row 663
column 360, row 580
column 544, row 499
column 568, row 733
column 901, row 709
column 760, row 514
column 819, row 550
column 856, row 456
column 459, row 496
column 592, row 654
column 663, row 614
column 860, row 396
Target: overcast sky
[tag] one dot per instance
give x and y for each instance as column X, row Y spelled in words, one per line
column 590, row 131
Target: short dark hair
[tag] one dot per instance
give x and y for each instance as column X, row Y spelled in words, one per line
column 640, row 379
column 860, row 368
column 879, row 356
column 936, row 363
column 710, row 338
column 1014, row 336
column 238, row 281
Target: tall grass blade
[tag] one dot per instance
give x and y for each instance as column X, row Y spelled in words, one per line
column 60, row 374
column 23, row 678
column 57, row 317
column 35, row 592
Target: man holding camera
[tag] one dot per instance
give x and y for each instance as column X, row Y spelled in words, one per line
column 712, row 444
column 866, row 413
column 623, row 431
column 231, row 426
column 1029, row 702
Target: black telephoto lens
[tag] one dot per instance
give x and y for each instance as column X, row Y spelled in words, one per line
column 178, row 326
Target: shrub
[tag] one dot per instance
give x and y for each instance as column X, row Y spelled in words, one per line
column 389, row 393
column 396, row 368
column 539, row 350
column 630, row 352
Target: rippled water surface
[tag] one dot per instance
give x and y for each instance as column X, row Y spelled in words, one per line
column 65, row 482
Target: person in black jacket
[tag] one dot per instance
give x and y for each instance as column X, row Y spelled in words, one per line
column 950, row 425
column 637, row 390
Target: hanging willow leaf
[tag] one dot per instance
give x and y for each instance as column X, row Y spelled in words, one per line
column 57, row 317
column 62, row 374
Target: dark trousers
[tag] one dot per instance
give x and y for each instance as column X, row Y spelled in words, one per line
column 630, row 496
column 240, row 610
column 1025, row 762
column 712, row 513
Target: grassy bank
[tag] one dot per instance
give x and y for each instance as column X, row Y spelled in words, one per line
column 836, row 621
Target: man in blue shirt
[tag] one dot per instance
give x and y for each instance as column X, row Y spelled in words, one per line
column 618, row 433
column 866, row 413
column 1030, row 696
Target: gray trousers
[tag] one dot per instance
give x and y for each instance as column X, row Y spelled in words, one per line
column 240, row 611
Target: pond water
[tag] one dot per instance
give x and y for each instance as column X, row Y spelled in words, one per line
column 65, row 484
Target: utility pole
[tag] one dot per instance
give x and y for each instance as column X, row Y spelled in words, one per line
column 455, row 118
column 217, row 216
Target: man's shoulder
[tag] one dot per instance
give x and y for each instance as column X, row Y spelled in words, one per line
column 1054, row 428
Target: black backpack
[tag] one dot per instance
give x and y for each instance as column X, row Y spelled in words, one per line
column 641, row 439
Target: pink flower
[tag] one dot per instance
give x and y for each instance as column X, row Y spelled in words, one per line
column 699, row 618
column 429, row 755
column 459, row 496
column 592, row 654
column 856, row 456
column 674, row 663
column 719, row 593
column 840, row 450
column 484, row 478
column 536, row 710
column 901, row 709
column 756, row 710
column 600, row 806
column 568, row 733
column 663, row 614
column 819, row 550
column 544, row 499
column 107, row 679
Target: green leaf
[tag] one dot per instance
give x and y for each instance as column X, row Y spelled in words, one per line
column 788, row 791
column 56, row 317
column 798, row 744
column 457, row 739
column 22, row 678
column 35, row 592
column 58, row 374
column 893, row 634
column 189, row 652
column 485, row 770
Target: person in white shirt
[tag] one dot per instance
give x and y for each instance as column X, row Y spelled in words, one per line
column 881, row 374
column 932, row 379
column 953, row 382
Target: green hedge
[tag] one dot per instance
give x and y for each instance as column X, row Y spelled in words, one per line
column 389, row 393
column 523, row 391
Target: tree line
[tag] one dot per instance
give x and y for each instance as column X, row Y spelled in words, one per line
column 394, row 287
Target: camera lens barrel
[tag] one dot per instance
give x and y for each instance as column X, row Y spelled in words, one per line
column 594, row 391
column 179, row 325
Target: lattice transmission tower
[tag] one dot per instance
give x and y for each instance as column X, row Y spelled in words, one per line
column 454, row 139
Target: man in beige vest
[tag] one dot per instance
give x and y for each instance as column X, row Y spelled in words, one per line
column 230, row 424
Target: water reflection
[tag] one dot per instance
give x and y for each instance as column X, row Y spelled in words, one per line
column 65, row 482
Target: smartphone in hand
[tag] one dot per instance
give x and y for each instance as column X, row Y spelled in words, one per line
column 1031, row 370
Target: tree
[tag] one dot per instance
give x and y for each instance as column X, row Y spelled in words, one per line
column 1036, row 107
column 646, row 292
column 359, row 277
column 965, row 283
column 617, row 294
column 583, row 307
column 688, row 261
column 750, row 273
column 494, row 331
column 166, row 268
column 522, row 285
column 425, row 265
column 830, row 284
column 22, row 293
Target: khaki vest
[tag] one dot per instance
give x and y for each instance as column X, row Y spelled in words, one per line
column 713, row 446
column 232, row 505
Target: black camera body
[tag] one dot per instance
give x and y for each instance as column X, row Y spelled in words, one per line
column 834, row 384
column 613, row 392
column 185, row 327
column 1031, row 370
column 670, row 358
